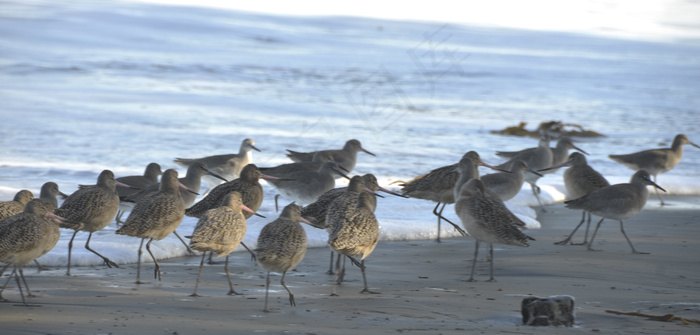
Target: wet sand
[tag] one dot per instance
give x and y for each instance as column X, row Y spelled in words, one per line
column 422, row 285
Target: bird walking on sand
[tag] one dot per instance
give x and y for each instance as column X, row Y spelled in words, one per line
column 346, row 157
column 488, row 220
column 539, row 158
column 617, row 202
column 227, row 166
column 438, row 185
column 219, row 231
column 155, row 217
column 656, row 161
column 355, row 234
column 281, row 247
column 25, row 237
column 50, row 192
column 580, row 179
column 16, row 205
column 94, row 207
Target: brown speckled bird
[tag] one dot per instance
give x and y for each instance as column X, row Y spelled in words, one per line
column 16, row 205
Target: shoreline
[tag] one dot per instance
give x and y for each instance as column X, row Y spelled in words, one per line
column 422, row 285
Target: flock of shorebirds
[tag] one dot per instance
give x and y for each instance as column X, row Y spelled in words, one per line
column 29, row 228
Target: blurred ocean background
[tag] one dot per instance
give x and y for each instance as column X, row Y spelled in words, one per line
column 93, row 85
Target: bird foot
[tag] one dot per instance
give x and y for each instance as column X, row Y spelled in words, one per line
column 639, row 252
column 366, row 290
column 195, row 295
column 492, row 280
column 233, row 292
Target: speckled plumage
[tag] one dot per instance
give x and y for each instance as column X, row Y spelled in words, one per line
column 16, row 205
column 248, row 185
column 317, row 211
column 345, row 157
column 281, row 246
column 488, row 220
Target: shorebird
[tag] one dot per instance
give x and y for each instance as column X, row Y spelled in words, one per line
column 155, row 217
column 219, row 231
column 488, row 220
column 304, row 187
column 560, row 152
column 656, row 161
column 138, row 183
column 355, row 234
column 49, row 193
column 438, row 186
column 346, row 157
column 226, row 166
column 281, row 246
column 319, row 158
column 507, row 184
column 94, row 207
column 617, row 202
column 16, row 205
column 540, row 157
column 580, row 179
column 25, row 237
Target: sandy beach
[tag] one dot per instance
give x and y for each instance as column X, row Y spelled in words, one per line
column 421, row 283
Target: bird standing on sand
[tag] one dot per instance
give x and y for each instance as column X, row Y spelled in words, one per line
column 346, row 157
column 617, row 202
column 227, row 166
column 155, row 217
column 281, row 246
column 656, row 161
column 16, row 205
column 219, row 231
column 94, row 207
column 580, row 179
column 488, row 220
column 25, row 237
column 355, row 234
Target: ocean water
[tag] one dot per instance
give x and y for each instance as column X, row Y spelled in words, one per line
column 93, row 85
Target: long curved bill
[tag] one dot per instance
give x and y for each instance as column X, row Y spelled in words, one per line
column 340, row 172
column 391, row 192
column 567, row 163
column 268, row 177
column 186, row 188
column 581, row 150
column 217, row 176
column 247, row 209
column 120, row 184
column 493, row 167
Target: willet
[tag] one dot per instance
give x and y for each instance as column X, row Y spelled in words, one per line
column 50, row 192
column 656, row 161
column 487, row 220
column 579, row 180
column 94, row 207
column 506, row 185
column 219, row 231
column 226, row 166
column 346, row 157
column 319, row 158
column 617, row 202
column 25, row 237
column 16, row 205
column 438, row 186
column 539, row 158
column 560, row 152
column 304, row 187
column 281, row 246
column 355, row 234
column 155, row 217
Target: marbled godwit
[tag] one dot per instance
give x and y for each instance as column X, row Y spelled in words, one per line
column 94, row 207
column 617, row 202
column 50, row 192
column 281, row 246
column 219, row 231
column 579, row 180
column 16, row 205
column 155, row 217
column 656, row 161
column 438, row 186
column 537, row 159
column 138, row 183
column 355, row 234
column 487, row 220
column 346, row 157
column 507, row 184
column 226, row 166
column 304, row 187
column 25, row 237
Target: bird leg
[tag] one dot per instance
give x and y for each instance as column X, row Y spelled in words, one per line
column 476, row 252
column 634, row 251
column 252, row 254
column 364, row 279
column 590, row 244
column 330, row 269
column 536, row 191
column 109, row 263
column 267, row 291
column 189, row 250
column 24, row 280
column 568, row 239
column 491, row 261
column 291, row 296
column 199, row 275
column 231, row 291
column 585, row 237
column 138, row 266
column 156, row 271
column 6, row 282
column 70, row 249
column 439, row 215
column 341, row 274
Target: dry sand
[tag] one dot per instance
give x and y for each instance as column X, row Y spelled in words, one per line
column 422, row 285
